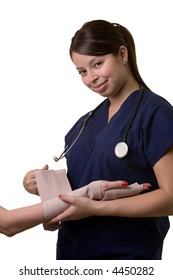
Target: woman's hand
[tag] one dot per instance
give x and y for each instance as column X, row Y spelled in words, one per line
column 80, row 208
column 29, row 180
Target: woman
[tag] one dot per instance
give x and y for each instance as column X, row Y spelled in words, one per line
column 132, row 227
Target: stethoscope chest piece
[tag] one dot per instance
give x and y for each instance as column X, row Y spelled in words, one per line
column 121, row 149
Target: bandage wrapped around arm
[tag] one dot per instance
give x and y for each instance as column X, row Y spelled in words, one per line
column 55, row 206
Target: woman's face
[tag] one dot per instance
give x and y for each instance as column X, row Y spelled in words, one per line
column 105, row 75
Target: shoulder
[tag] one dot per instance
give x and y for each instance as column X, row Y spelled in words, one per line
column 154, row 100
column 155, row 106
column 157, row 125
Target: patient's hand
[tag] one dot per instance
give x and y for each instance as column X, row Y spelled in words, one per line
column 29, row 180
column 110, row 191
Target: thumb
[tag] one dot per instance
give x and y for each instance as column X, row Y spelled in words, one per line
column 46, row 167
column 107, row 185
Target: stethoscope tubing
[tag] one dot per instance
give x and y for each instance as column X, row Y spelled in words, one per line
column 134, row 115
column 121, row 148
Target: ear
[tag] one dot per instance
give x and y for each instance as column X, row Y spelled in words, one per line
column 123, row 53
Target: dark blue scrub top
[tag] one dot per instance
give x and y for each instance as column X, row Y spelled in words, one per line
column 93, row 158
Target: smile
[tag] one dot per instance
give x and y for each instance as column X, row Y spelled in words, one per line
column 100, row 88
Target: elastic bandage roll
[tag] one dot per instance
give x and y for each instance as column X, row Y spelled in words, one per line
column 55, row 206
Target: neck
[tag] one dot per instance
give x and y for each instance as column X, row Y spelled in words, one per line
column 117, row 100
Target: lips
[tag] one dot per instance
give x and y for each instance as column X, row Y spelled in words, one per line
column 100, row 88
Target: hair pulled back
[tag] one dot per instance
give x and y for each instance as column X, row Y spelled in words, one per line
column 100, row 37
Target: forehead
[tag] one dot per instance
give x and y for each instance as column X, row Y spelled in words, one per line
column 80, row 60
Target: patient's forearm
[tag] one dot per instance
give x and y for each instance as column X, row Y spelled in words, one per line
column 54, row 207
column 18, row 220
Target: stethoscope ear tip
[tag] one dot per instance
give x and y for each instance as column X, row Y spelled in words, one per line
column 55, row 158
column 121, row 149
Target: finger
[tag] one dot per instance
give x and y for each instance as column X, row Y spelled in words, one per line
column 67, row 198
column 46, row 167
column 34, row 191
column 107, row 185
column 64, row 215
column 51, row 227
column 53, row 221
column 146, row 186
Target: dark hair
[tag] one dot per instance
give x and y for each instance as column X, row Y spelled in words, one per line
column 100, row 37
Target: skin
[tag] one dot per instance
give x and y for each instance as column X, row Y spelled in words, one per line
column 111, row 78
column 108, row 76
column 17, row 220
column 152, row 204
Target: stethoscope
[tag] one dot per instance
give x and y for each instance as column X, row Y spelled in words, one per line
column 121, row 148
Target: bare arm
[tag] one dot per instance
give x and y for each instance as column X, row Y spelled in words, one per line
column 152, row 204
column 156, row 203
column 18, row 220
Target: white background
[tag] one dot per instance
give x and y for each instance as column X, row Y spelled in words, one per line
column 41, row 94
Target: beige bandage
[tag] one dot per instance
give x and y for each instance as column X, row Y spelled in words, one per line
column 51, row 183
column 92, row 190
column 53, row 207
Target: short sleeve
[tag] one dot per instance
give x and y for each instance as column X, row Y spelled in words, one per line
column 158, row 129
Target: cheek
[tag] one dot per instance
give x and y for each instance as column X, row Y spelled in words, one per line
column 107, row 71
column 85, row 81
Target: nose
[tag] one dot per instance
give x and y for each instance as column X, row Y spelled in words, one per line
column 92, row 76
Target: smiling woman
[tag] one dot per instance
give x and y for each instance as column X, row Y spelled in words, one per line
column 126, row 228
column 92, row 69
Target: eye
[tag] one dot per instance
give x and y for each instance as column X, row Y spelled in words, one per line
column 82, row 72
column 98, row 64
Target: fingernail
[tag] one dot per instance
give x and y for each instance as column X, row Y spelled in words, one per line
column 60, row 196
column 124, row 183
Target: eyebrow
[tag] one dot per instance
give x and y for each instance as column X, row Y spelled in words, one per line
column 92, row 60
